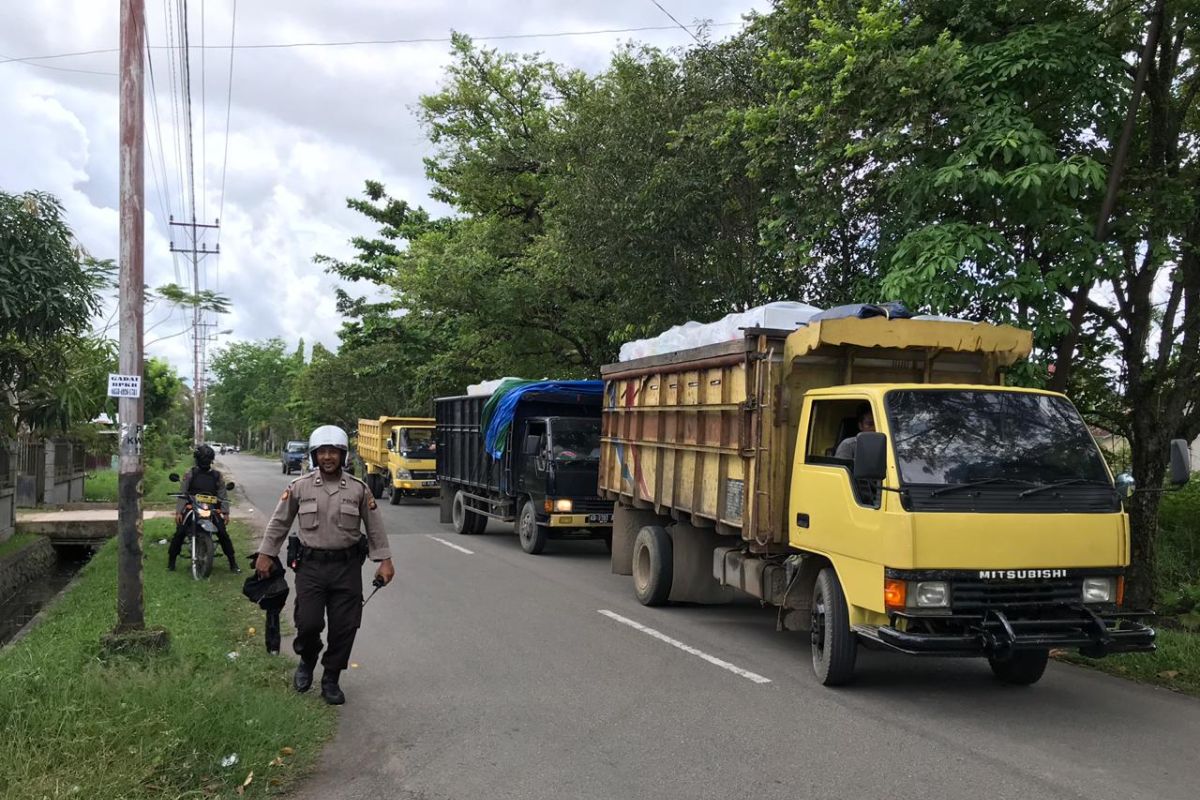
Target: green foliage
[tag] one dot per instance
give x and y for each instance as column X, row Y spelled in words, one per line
column 157, row 725
column 49, row 290
column 205, row 300
column 249, row 400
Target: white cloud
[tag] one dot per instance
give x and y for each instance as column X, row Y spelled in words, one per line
column 307, row 127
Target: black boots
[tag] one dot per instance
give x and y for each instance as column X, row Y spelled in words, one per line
column 171, row 563
column 330, row 689
column 233, row 567
column 302, row 680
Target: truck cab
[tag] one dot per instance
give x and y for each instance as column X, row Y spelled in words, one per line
column 558, row 469
column 412, row 454
column 974, row 519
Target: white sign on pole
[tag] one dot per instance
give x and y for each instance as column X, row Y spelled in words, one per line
column 124, row 385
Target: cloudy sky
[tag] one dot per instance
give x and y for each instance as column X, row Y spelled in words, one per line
column 306, row 126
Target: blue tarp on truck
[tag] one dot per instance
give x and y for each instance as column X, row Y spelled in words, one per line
column 501, row 407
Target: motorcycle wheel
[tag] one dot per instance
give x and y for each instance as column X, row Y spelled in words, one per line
column 202, row 556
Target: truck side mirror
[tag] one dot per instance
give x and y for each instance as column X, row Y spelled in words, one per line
column 1125, row 485
column 1181, row 468
column 531, row 445
column 870, row 456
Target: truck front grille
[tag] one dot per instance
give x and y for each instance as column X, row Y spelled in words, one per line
column 592, row 505
column 424, row 475
column 980, row 595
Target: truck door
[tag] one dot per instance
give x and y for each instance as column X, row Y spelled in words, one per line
column 830, row 512
column 531, row 463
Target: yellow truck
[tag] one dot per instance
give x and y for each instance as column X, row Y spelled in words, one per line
column 877, row 482
column 398, row 454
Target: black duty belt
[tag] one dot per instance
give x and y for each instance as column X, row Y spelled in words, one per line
column 350, row 553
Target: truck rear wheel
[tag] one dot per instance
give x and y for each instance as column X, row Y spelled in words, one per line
column 834, row 645
column 376, row 484
column 653, row 565
column 464, row 519
column 533, row 536
column 1022, row 668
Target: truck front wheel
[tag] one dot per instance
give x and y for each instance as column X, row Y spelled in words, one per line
column 394, row 499
column 1022, row 668
column 834, row 645
column 533, row 536
column 653, row 565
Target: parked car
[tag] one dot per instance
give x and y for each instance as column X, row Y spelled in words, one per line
column 294, row 457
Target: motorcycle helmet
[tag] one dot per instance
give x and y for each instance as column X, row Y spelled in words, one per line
column 328, row 436
column 204, row 456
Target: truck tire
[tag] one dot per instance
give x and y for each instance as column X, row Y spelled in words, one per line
column 464, row 519
column 1022, row 668
column 834, row 645
column 285, row 469
column 394, row 496
column 533, row 536
column 653, row 565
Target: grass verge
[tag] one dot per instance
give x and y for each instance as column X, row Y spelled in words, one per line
column 76, row 723
column 100, row 486
column 1175, row 665
column 17, row 541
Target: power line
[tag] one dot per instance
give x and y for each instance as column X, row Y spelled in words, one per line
column 228, row 112
column 677, row 22
column 6, row 59
column 228, row 109
column 420, row 40
column 203, row 122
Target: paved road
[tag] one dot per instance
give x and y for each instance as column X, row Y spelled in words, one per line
column 494, row 674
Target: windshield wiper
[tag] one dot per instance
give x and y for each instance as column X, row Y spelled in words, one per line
column 1063, row 482
column 972, row 484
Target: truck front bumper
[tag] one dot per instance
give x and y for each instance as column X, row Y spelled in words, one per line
column 416, row 488
column 1092, row 633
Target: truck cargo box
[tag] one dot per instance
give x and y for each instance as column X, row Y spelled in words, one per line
column 708, row 434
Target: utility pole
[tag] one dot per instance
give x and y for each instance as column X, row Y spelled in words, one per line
column 130, row 607
column 197, row 251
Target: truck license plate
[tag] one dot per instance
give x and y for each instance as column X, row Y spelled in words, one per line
column 429, row 483
column 599, row 517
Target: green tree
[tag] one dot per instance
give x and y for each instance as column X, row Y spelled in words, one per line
column 248, row 401
column 969, row 143
column 49, row 291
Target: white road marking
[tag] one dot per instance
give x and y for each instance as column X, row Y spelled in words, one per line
column 450, row 544
column 662, row 637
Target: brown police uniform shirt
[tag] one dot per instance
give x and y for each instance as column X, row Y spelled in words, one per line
column 330, row 515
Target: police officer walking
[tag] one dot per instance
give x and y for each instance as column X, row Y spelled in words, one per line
column 202, row 479
column 332, row 506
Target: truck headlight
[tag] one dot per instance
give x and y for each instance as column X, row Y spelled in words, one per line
column 403, row 475
column 1099, row 590
column 564, row 505
column 932, row 594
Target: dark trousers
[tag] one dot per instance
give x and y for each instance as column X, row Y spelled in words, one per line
column 222, row 537
column 333, row 588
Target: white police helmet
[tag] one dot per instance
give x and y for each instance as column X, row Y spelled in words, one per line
column 331, row 436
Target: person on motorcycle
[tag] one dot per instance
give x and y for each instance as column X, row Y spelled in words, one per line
column 202, row 479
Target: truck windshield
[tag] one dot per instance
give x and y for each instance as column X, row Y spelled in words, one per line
column 956, row 436
column 575, row 440
column 296, row 447
column 417, row 443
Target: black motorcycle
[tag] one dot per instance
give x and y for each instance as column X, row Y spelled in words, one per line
column 200, row 527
